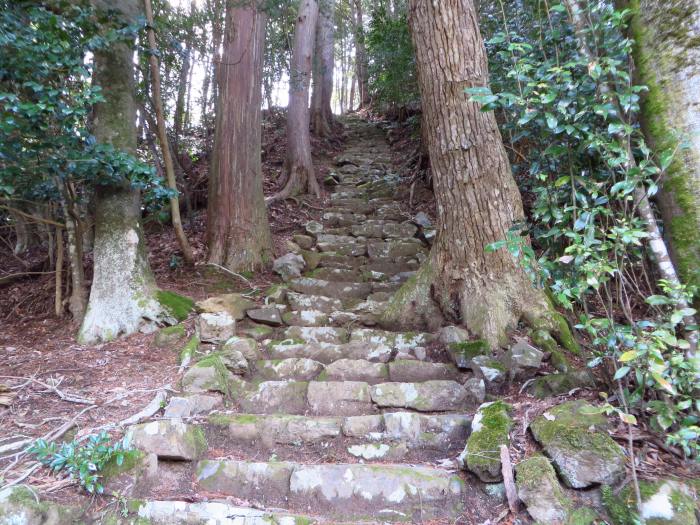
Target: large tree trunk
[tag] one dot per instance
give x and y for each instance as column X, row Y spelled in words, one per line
column 299, row 169
column 238, row 231
column 477, row 198
column 321, row 112
column 122, row 297
column 667, row 57
column 361, row 56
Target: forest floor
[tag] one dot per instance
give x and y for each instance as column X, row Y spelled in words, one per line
column 51, row 381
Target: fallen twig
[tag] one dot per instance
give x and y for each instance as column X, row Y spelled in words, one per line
column 507, row 470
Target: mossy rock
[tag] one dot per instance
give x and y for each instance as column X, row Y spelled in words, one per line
column 178, row 306
column 188, row 352
column 664, row 502
column 490, row 429
column 19, row 505
column 539, row 488
column 256, row 331
column 557, row 384
column 462, row 353
column 573, row 435
column 546, row 343
column 169, row 336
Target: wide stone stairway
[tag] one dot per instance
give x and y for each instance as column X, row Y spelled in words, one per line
column 313, row 414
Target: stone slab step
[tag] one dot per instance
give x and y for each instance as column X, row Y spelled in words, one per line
column 327, row 353
column 317, row 334
column 320, row 303
column 419, row 431
column 343, row 491
column 429, row 396
column 338, row 290
column 212, row 512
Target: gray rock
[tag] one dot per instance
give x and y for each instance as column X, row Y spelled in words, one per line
column 270, row 316
column 490, row 369
column 314, row 302
column 378, row 451
column 169, row 439
column 216, row 327
column 574, row 437
column 338, row 290
column 232, row 303
column 421, row 219
column 348, row 398
column 235, row 362
column 210, row 375
column 523, row 360
column 350, row 491
column 362, row 426
column 452, row 334
column 299, row 429
column 289, row 266
column 245, row 345
column 263, row 482
column 317, row 334
column 271, row 397
column 394, row 248
column 295, row 369
column 181, row 407
column 476, row 390
column 304, row 241
column 313, row 228
column 185, row 513
column 356, row 370
column 306, row 318
column 430, row 396
column 411, row 371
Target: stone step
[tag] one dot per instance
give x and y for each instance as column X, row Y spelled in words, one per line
column 392, row 435
column 339, row 290
column 327, row 353
column 167, row 512
column 355, row 492
column 327, row 396
column 384, row 229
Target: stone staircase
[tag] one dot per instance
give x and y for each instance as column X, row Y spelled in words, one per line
column 324, row 418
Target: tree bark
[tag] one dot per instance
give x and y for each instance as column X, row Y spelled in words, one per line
column 667, row 58
column 238, row 232
column 324, row 62
column 298, row 168
column 187, row 253
column 477, row 198
column 122, row 296
column 361, row 56
column 181, row 101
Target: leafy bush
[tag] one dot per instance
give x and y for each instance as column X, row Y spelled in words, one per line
column 82, row 462
column 580, row 156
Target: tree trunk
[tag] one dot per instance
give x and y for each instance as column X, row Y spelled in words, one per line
column 180, row 103
column 321, row 112
column 361, row 56
column 164, row 145
column 299, row 168
column 122, row 296
column 216, row 32
column 351, row 102
column 477, row 198
column 238, row 232
column 667, row 57
column 78, row 298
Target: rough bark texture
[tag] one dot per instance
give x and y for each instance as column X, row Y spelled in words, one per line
column 238, row 231
column 321, row 112
column 299, row 169
column 361, row 56
column 122, row 296
column 477, row 198
column 667, row 57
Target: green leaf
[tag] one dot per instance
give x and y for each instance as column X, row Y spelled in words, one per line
column 629, row 356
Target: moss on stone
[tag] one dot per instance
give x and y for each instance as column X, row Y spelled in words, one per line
column 175, row 304
column 223, row 420
column 470, row 349
column 622, row 507
column 132, row 459
column 214, row 360
column 490, row 429
column 188, row 351
column 195, row 438
column 583, row 516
